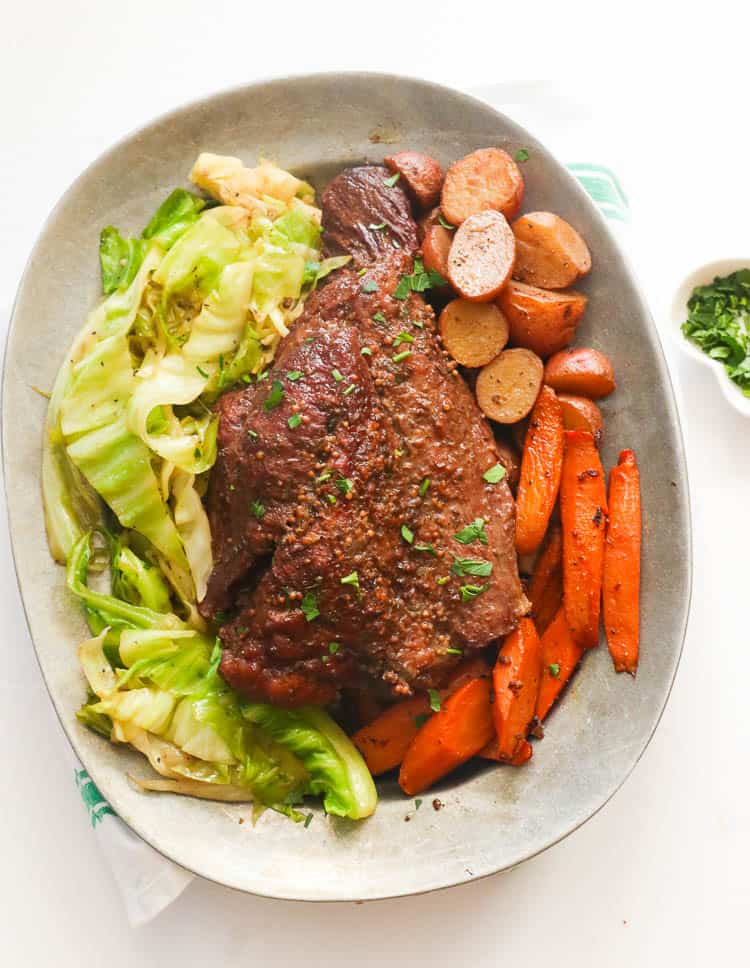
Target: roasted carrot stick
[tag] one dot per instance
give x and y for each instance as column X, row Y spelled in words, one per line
column 583, row 507
column 560, row 656
column 545, row 588
column 451, row 737
column 522, row 755
column 622, row 564
column 464, row 672
column 515, row 680
column 384, row 741
column 541, row 466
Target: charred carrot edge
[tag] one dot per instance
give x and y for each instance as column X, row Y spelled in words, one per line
column 541, row 467
column 449, row 738
column 622, row 564
column 583, row 508
column 560, row 657
column 522, row 755
column 545, row 588
column 515, row 680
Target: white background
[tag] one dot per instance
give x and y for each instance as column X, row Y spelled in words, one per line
column 659, row 876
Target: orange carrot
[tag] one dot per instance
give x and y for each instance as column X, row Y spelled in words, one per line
column 384, row 741
column 560, row 656
column 515, row 680
column 523, row 753
column 449, row 738
column 545, row 588
column 583, row 507
column 622, row 564
column 464, row 672
column 541, row 466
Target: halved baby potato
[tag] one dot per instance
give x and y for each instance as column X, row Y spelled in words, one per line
column 481, row 257
column 422, row 175
column 485, row 179
column 473, row 333
column 549, row 252
column 540, row 320
column 582, row 371
column 507, row 387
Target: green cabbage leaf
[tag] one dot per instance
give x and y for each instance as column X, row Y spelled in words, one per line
column 337, row 771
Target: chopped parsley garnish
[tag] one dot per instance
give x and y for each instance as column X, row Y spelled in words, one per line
column 444, row 580
column 419, row 281
column 365, row 351
column 275, row 397
column 417, row 803
column 337, row 375
column 469, row 592
column 202, row 372
column 370, row 286
column 294, row 421
column 554, row 669
column 446, row 225
column 323, row 477
column 453, row 651
column 425, row 547
column 252, row 433
column 495, row 474
column 331, row 498
column 471, row 566
column 309, row 606
column 246, row 378
column 472, row 532
column 376, row 228
column 308, row 820
column 407, row 534
column 399, row 357
column 345, row 485
column 333, row 647
column 262, row 376
column 350, row 389
column 379, row 317
column 421, row 719
column 521, row 155
column 258, row 510
column 390, row 182
column 424, row 487
column 294, row 375
column 403, row 337
column 361, row 272
column 719, row 323
column 434, row 700
column 352, row 579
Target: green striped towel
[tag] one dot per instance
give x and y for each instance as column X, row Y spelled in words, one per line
column 604, row 189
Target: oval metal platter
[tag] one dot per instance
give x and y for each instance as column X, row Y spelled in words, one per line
column 492, row 818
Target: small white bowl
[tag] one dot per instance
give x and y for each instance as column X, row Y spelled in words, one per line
column 701, row 277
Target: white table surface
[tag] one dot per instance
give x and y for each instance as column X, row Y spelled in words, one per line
column 658, row 877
